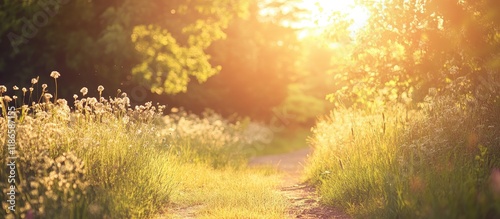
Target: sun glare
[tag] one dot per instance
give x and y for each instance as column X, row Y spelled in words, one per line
column 319, row 16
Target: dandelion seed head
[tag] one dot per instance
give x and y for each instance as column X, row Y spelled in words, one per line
column 92, row 100
column 62, row 102
column 126, row 100
column 55, row 74
column 84, row 91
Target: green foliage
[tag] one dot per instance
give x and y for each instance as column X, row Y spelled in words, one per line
column 408, row 47
column 258, row 57
column 105, row 44
column 300, row 106
column 433, row 163
column 167, row 67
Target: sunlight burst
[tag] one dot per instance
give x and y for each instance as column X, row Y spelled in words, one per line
column 320, row 13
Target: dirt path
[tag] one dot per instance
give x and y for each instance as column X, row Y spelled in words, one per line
column 303, row 198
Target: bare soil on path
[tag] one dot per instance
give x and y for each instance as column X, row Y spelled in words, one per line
column 304, row 200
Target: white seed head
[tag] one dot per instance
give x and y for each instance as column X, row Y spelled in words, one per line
column 55, row 74
column 84, row 91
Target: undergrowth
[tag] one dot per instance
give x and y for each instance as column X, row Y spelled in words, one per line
column 440, row 161
column 100, row 157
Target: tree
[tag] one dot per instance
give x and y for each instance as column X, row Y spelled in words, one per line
column 258, row 59
column 410, row 46
column 110, row 40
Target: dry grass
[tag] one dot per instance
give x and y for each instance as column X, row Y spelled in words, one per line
column 437, row 162
column 100, row 158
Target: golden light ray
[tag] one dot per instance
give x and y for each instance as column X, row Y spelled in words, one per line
column 320, row 13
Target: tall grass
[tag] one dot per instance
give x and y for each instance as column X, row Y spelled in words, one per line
column 437, row 162
column 102, row 158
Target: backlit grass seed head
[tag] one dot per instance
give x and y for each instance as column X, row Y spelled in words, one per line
column 62, row 102
column 3, row 89
column 100, row 88
column 55, row 74
column 84, row 91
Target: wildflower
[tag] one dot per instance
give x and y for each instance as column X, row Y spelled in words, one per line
column 24, row 90
column 34, row 80
column 75, row 96
column 32, row 89
column 48, row 96
column 44, row 86
column 100, row 88
column 84, row 91
column 127, row 101
column 92, row 101
column 62, row 102
column 14, row 97
column 3, row 89
column 124, row 94
column 15, row 87
column 55, row 74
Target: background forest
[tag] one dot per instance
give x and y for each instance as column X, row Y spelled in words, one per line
column 223, row 55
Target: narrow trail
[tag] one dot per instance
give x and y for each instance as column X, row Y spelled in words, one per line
column 303, row 198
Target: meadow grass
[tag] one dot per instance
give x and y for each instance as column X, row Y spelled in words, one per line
column 437, row 162
column 228, row 193
column 101, row 158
